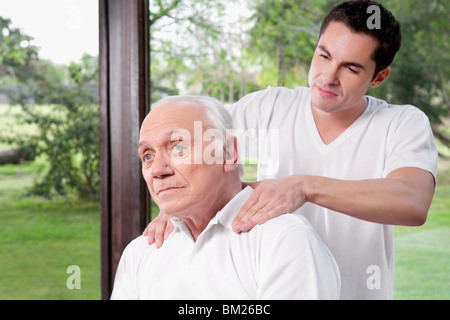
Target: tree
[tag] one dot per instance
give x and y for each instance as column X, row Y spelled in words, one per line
column 16, row 53
column 193, row 49
column 175, row 27
column 419, row 74
column 285, row 35
column 68, row 134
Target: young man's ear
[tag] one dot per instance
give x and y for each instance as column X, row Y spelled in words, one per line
column 231, row 154
column 380, row 77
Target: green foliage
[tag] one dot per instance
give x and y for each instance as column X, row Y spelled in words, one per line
column 420, row 71
column 69, row 139
column 284, row 35
column 68, row 135
column 191, row 50
column 16, row 54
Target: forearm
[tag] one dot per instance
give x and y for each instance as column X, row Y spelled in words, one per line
column 387, row 201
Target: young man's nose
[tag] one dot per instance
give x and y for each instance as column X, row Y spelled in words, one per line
column 330, row 76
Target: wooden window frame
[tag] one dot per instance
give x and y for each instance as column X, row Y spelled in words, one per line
column 124, row 101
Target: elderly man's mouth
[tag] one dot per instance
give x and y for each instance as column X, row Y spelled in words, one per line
column 167, row 190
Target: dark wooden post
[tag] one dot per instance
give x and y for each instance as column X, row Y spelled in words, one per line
column 124, row 102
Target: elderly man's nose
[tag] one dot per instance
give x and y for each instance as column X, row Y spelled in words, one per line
column 161, row 167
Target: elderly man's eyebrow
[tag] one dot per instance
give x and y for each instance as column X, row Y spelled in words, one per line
column 169, row 136
column 177, row 135
column 143, row 145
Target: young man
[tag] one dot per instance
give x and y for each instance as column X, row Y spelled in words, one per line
column 354, row 165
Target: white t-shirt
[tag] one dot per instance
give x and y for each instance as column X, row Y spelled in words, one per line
column 282, row 259
column 384, row 138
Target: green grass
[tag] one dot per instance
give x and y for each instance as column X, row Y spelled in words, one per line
column 40, row 238
column 422, row 254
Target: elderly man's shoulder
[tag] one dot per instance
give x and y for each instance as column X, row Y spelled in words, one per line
column 288, row 220
column 140, row 245
column 285, row 225
column 289, row 235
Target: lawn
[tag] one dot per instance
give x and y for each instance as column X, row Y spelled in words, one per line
column 422, row 254
column 39, row 239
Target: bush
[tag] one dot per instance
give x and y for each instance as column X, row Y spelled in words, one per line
column 69, row 139
column 67, row 134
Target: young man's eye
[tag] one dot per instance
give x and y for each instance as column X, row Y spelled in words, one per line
column 352, row 70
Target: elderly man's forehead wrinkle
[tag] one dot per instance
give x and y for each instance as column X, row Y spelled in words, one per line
column 171, row 122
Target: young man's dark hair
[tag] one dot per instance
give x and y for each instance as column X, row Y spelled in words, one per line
column 354, row 15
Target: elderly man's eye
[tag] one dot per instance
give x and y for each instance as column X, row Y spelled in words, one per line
column 148, row 157
column 179, row 151
column 178, row 148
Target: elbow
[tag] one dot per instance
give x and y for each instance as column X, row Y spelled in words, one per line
column 418, row 217
column 417, row 210
column 419, row 220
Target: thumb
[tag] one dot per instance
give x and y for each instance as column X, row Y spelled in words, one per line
column 254, row 185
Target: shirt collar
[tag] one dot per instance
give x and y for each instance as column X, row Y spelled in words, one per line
column 225, row 216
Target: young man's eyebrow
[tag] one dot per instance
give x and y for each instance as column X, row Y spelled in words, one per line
column 324, row 50
column 345, row 63
column 353, row 64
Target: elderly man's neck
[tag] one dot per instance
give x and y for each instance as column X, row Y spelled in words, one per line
column 198, row 222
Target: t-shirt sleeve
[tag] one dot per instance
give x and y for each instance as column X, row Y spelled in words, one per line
column 254, row 114
column 247, row 112
column 248, row 115
column 412, row 144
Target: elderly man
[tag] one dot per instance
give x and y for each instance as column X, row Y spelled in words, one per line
column 191, row 168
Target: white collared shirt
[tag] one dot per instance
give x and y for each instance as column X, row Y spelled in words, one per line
column 281, row 259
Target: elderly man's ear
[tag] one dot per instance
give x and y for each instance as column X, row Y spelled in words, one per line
column 231, row 154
